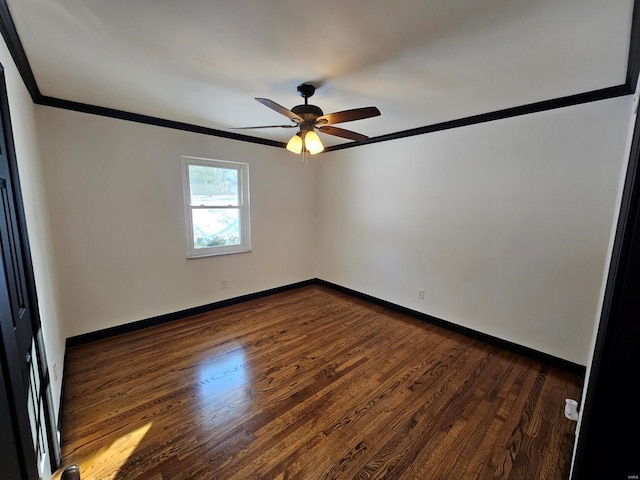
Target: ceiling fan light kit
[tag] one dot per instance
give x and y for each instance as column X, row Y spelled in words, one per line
column 306, row 138
column 312, row 142
column 311, row 117
column 295, row 144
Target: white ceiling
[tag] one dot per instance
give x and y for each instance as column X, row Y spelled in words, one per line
column 419, row 61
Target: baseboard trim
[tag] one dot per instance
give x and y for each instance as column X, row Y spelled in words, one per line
column 528, row 352
column 170, row 317
column 531, row 353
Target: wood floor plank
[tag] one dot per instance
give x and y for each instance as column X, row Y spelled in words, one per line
column 311, row 384
column 426, row 397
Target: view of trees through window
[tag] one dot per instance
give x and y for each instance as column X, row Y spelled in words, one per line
column 215, row 206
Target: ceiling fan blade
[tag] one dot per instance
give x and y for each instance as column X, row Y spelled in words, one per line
column 348, row 115
column 341, row 132
column 280, row 109
column 263, row 126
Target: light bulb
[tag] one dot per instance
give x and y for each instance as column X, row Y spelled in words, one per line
column 312, row 142
column 295, row 144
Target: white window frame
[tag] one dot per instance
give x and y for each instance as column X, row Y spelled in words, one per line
column 243, row 207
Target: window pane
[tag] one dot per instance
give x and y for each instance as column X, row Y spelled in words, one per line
column 213, row 186
column 214, row 227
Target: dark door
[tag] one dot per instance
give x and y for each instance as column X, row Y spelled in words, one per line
column 16, row 331
column 8, row 451
column 609, row 442
column 16, row 312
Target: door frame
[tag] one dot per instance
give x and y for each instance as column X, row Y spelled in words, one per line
column 609, row 436
column 50, row 424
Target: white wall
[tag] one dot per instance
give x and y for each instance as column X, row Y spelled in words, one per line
column 115, row 197
column 504, row 224
column 30, row 169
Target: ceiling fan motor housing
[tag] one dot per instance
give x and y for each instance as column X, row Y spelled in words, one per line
column 308, row 112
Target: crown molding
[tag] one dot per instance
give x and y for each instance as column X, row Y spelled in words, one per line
column 146, row 119
column 11, row 38
column 592, row 96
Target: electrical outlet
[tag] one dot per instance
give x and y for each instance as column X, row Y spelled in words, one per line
column 55, row 372
column 421, row 294
column 223, row 283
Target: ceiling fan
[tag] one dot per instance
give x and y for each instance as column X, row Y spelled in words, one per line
column 310, row 117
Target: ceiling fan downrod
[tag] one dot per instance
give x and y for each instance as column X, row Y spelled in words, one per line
column 307, row 112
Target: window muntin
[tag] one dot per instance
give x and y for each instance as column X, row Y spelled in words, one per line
column 217, row 206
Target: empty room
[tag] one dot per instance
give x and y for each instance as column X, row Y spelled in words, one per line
column 295, row 240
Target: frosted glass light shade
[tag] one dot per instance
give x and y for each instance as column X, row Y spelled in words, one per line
column 312, row 142
column 295, row 144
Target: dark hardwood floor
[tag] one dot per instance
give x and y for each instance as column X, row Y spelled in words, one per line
column 312, row 384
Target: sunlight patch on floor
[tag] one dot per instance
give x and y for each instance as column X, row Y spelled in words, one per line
column 106, row 463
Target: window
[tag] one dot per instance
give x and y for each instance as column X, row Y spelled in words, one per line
column 216, row 195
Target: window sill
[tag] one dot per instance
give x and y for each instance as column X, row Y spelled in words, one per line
column 217, row 254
